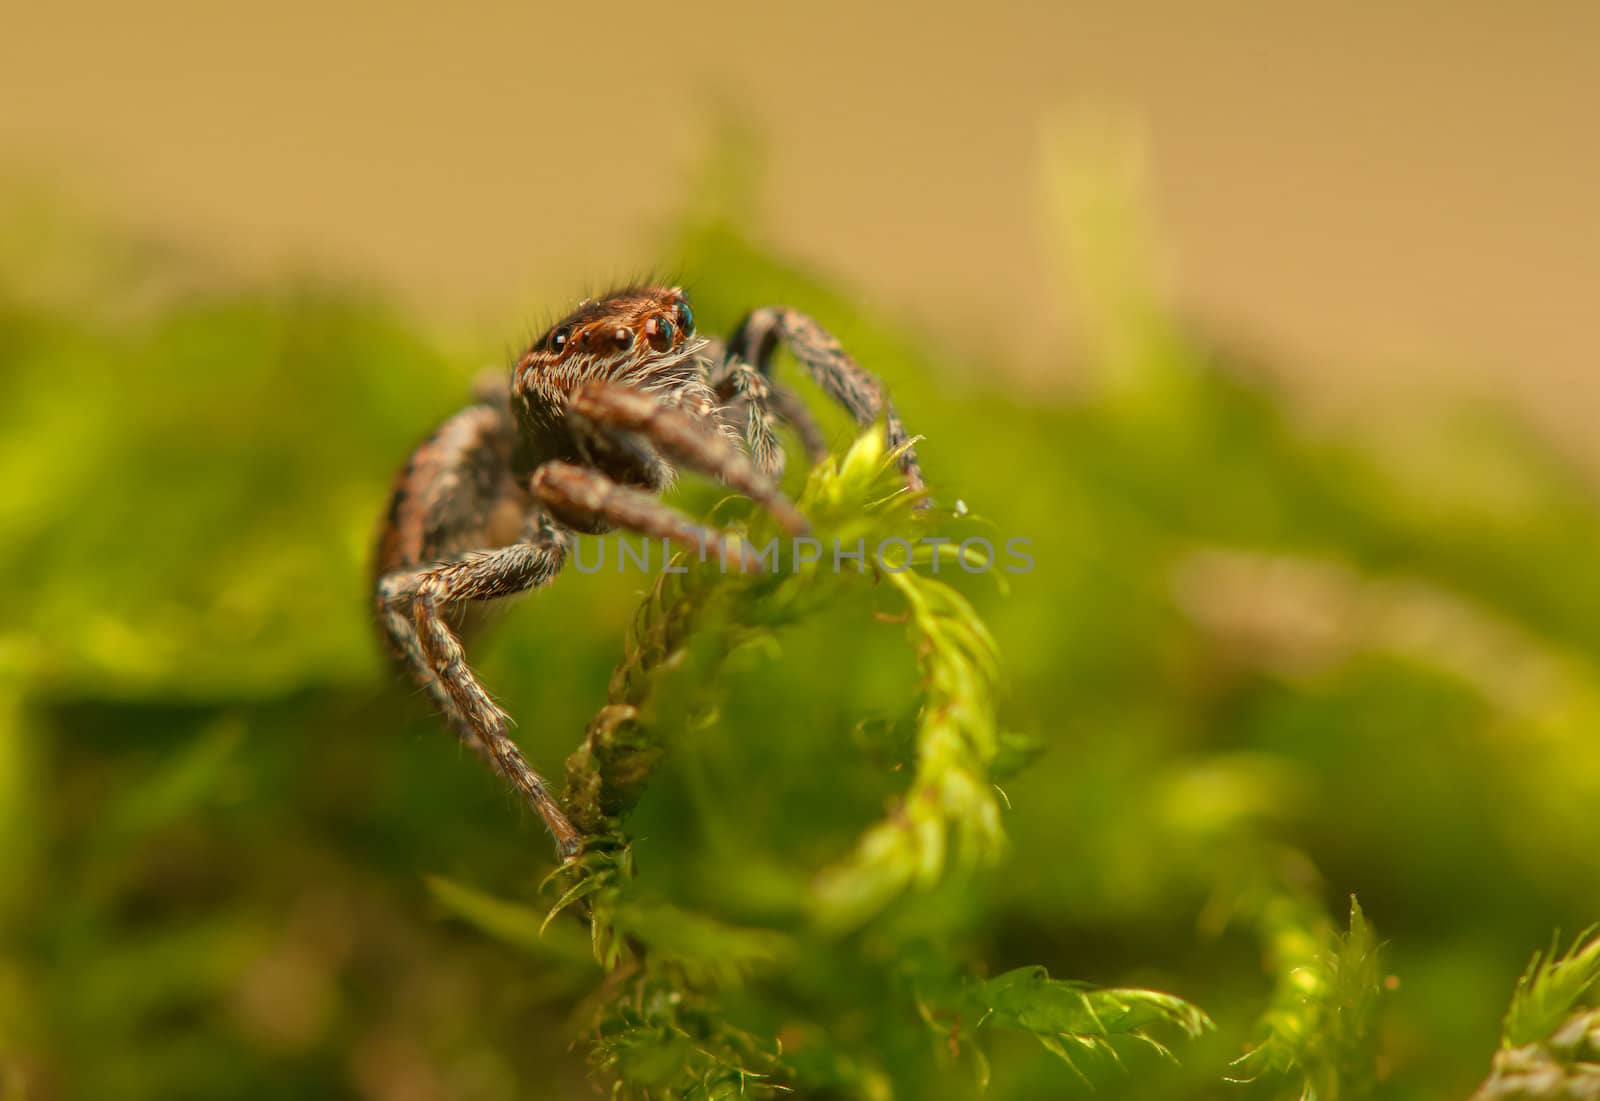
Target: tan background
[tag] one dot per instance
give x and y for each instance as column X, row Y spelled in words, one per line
column 1386, row 193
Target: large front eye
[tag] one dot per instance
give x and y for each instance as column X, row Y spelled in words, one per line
column 658, row 330
column 558, row 339
column 685, row 318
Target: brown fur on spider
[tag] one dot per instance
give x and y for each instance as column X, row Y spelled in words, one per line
column 598, row 414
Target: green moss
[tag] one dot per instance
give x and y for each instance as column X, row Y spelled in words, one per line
column 846, row 825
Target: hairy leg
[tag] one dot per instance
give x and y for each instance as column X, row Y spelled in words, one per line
column 841, row 378
column 400, row 632
column 428, row 594
column 793, row 411
column 589, row 501
column 740, row 386
column 683, row 438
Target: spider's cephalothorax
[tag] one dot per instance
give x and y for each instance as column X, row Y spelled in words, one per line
column 642, row 339
column 598, row 415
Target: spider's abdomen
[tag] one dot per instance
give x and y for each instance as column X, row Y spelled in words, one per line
column 457, row 493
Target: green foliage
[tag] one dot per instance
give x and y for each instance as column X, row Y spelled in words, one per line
column 665, row 1030
column 1549, row 989
column 1320, row 1025
column 1071, row 1018
column 1259, row 665
column 1550, row 1048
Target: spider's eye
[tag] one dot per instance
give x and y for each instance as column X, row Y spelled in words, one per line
column 623, row 338
column 658, row 330
column 559, row 338
column 685, row 318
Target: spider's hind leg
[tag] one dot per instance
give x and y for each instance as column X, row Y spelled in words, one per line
column 844, row 380
column 440, row 663
column 400, row 633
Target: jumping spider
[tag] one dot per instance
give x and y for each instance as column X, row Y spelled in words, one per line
column 596, row 414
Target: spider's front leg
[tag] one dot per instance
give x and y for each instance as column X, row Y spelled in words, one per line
column 414, row 605
column 621, row 432
column 587, row 500
column 693, row 442
column 756, row 340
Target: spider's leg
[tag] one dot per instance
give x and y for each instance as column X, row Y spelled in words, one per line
column 736, row 383
column 400, row 632
column 428, row 594
column 841, row 378
column 589, row 501
column 683, row 438
column 792, row 410
column 739, row 385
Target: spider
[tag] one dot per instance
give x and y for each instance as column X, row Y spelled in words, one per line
column 582, row 438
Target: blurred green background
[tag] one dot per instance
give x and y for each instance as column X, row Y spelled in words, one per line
column 1269, row 658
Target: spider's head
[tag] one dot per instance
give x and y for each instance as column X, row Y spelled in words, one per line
column 638, row 336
